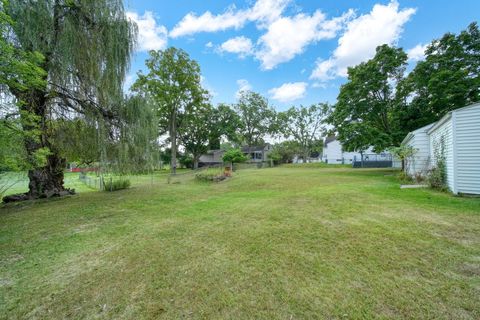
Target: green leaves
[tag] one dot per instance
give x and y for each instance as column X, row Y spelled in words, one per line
column 448, row 78
column 19, row 69
column 364, row 113
column 257, row 118
column 173, row 84
column 234, row 156
column 304, row 125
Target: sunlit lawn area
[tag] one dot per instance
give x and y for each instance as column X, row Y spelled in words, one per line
column 294, row 242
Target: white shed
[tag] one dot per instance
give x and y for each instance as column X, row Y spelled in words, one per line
column 333, row 152
column 458, row 134
column 419, row 140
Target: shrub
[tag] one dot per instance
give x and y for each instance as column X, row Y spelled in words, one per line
column 186, row 161
column 437, row 178
column 116, row 184
column 234, row 156
column 210, row 176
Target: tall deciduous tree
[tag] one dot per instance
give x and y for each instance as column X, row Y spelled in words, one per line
column 225, row 124
column 257, row 118
column 173, row 82
column 304, row 125
column 365, row 112
column 86, row 47
column 448, row 78
column 194, row 133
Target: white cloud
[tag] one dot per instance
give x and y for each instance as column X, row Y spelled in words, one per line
column 383, row 25
column 288, row 36
column 209, row 44
column 243, row 85
column 262, row 12
column 240, row 45
column 206, row 85
column 288, row 92
column 129, row 80
column 150, row 35
column 267, row 11
column 417, row 53
column 321, row 85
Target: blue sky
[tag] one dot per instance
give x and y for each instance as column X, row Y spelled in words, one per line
column 291, row 51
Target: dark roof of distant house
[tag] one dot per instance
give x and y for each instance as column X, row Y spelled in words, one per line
column 215, row 151
column 254, row 148
column 329, row 139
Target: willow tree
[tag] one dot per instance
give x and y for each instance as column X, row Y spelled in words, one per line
column 86, row 46
column 135, row 147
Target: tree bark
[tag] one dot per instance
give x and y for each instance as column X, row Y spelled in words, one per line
column 173, row 145
column 195, row 162
column 46, row 181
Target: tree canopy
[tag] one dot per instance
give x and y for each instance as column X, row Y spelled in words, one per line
column 304, row 125
column 448, row 78
column 365, row 112
column 173, row 83
column 81, row 49
column 257, row 118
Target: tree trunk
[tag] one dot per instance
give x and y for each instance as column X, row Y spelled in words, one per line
column 46, row 181
column 305, row 156
column 195, row 162
column 173, row 145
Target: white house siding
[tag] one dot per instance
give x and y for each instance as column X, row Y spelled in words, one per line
column 466, row 122
column 332, row 152
column 443, row 129
column 420, row 161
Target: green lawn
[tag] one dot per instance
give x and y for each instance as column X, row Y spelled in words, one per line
column 294, row 242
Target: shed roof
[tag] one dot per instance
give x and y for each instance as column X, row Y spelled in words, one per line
column 329, row 139
column 449, row 115
column 411, row 134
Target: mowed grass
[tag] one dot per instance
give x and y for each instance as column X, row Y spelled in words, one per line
column 295, row 242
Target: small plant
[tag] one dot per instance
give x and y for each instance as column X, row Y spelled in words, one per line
column 404, row 177
column 437, row 176
column 234, row 156
column 116, row 184
column 405, row 153
column 210, row 176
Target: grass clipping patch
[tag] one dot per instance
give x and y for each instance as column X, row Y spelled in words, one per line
column 210, row 175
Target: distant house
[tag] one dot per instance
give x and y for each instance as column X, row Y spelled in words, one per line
column 456, row 138
column 333, row 153
column 212, row 157
column 257, row 153
column 253, row 153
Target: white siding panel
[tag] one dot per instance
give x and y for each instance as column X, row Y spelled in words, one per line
column 333, row 152
column 467, row 136
column 444, row 130
column 419, row 163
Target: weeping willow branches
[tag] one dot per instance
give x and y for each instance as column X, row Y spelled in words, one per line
column 85, row 48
